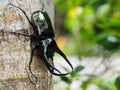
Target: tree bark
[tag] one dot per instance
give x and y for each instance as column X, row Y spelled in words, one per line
column 15, row 50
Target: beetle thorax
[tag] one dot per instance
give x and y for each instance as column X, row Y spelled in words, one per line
column 40, row 22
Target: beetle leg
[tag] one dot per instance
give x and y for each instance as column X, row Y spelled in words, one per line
column 61, row 53
column 15, row 33
column 50, row 67
column 46, row 60
column 30, row 62
column 23, row 13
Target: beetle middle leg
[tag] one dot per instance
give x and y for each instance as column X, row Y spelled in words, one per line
column 15, row 33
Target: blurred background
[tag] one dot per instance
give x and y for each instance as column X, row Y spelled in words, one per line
column 88, row 32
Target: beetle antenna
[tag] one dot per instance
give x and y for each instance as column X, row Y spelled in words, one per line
column 42, row 4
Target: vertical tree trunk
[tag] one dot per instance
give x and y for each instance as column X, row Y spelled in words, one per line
column 15, row 50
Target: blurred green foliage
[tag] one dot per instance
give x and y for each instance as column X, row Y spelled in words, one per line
column 93, row 25
column 92, row 28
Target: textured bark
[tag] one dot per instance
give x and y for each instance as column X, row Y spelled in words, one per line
column 15, row 51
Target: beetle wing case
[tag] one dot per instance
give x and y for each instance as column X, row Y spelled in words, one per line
column 43, row 17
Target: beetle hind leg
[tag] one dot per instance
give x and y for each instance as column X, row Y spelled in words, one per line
column 30, row 62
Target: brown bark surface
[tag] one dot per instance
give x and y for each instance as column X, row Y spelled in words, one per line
column 15, row 50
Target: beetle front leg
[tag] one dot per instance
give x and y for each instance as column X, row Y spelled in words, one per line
column 50, row 67
column 23, row 13
column 57, row 50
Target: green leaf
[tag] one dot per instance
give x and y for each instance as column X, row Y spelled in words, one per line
column 66, row 79
column 117, row 83
column 77, row 70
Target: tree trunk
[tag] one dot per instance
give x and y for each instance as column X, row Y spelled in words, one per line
column 15, row 50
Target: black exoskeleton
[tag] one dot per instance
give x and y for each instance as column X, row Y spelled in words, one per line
column 42, row 40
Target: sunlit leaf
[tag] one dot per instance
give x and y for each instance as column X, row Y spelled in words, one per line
column 85, row 84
